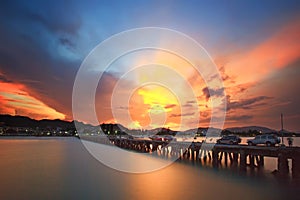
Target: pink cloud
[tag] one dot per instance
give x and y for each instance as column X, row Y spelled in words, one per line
column 276, row 52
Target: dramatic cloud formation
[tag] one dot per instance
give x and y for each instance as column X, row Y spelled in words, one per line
column 281, row 49
column 255, row 48
column 247, row 103
column 16, row 100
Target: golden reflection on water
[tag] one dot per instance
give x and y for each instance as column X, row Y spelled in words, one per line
column 183, row 181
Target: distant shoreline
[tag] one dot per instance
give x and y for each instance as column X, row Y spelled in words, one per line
column 67, row 136
column 33, row 136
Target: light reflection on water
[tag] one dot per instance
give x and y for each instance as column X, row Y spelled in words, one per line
column 60, row 168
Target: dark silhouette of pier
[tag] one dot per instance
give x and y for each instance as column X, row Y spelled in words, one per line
column 239, row 156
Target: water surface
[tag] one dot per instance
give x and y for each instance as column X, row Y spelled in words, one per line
column 61, row 168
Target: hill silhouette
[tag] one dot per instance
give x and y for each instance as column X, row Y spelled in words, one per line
column 22, row 121
column 26, row 122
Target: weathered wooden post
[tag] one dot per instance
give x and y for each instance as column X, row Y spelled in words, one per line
column 251, row 158
column 197, row 152
column 200, row 154
column 296, row 167
column 226, row 158
column 235, row 158
column 261, row 161
column 188, row 153
column 204, row 155
column 193, row 153
column 230, row 155
column 209, row 155
column 282, row 165
column 221, row 157
column 215, row 158
column 243, row 161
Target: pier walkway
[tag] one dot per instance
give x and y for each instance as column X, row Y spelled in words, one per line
column 241, row 156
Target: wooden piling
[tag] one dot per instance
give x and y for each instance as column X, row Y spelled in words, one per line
column 230, row 157
column 251, row 159
column 296, row 168
column 243, row 161
column 237, row 154
column 282, row 165
column 235, row 158
column 215, row 158
column 221, row 157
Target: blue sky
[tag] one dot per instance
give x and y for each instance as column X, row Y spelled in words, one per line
column 44, row 42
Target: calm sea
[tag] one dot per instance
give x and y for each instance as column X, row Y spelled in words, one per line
column 61, row 168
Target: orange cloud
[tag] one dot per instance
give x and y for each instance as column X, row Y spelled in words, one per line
column 15, row 99
column 281, row 49
column 152, row 106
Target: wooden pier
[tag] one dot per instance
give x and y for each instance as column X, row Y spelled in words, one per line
column 239, row 156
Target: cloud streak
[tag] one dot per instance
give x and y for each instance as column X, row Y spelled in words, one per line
column 246, row 104
column 15, row 100
column 43, row 44
column 276, row 52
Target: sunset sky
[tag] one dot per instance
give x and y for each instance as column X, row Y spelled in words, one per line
column 254, row 44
